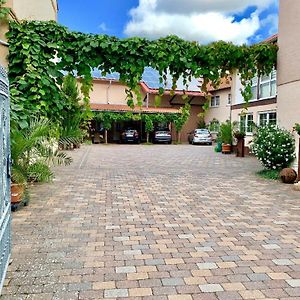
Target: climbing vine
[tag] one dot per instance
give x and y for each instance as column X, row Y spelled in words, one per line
column 4, row 11
column 42, row 52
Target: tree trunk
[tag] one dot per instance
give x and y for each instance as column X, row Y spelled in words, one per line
column 105, row 136
column 178, row 136
column 147, row 137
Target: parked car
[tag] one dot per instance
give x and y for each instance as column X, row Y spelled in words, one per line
column 162, row 136
column 200, row 136
column 130, row 135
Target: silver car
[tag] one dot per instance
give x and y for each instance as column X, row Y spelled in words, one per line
column 200, row 136
column 162, row 136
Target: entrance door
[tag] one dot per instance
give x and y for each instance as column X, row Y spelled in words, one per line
column 5, row 211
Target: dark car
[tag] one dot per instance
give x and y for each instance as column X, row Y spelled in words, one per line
column 162, row 136
column 130, row 136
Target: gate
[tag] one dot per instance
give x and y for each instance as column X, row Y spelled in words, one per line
column 5, row 211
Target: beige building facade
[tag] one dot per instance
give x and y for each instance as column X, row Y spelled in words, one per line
column 219, row 106
column 288, row 100
column 110, row 95
column 261, row 109
column 41, row 10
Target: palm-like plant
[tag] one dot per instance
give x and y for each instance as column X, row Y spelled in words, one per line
column 34, row 151
column 70, row 132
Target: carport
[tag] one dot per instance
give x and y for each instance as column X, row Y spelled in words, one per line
column 97, row 130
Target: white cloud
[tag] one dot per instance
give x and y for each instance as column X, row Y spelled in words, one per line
column 103, row 27
column 271, row 22
column 198, row 20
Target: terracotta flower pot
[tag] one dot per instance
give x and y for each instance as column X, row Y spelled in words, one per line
column 226, row 148
column 17, row 191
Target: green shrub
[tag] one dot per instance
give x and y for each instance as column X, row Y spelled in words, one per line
column 226, row 132
column 274, row 147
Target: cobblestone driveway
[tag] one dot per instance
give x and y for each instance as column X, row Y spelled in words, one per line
column 157, row 222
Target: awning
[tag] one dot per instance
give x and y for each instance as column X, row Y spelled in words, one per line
column 136, row 109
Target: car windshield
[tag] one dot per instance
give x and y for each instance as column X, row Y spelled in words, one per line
column 201, row 131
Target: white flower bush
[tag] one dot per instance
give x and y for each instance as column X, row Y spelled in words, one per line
column 274, row 147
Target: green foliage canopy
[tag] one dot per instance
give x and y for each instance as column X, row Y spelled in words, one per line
column 40, row 53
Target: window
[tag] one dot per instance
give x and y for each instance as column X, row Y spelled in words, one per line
column 246, row 123
column 267, row 85
column 266, row 118
column 254, row 88
column 229, row 99
column 264, row 86
column 215, row 101
column 214, row 126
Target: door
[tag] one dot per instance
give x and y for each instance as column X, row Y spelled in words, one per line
column 5, row 211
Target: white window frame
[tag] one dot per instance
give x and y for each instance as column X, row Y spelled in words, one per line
column 268, row 116
column 213, row 101
column 257, row 82
column 246, row 123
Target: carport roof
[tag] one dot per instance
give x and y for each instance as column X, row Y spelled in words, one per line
column 136, row 109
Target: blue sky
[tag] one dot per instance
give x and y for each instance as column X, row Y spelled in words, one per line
column 96, row 16
column 239, row 21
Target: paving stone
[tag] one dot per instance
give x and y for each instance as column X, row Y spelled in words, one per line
column 207, row 266
column 180, row 297
column 140, row 292
column 253, row 294
column 204, row 249
column 127, row 269
column 156, row 223
column 258, row 277
column 172, row 281
column 211, row 288
column 271, row 246
column 293, row 282
column 282, row 262
column 115, row 293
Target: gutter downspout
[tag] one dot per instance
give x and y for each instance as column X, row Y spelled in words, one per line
column 107, row 92
column 147, row 100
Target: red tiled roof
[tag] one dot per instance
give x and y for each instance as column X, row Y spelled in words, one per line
column 271, row 39
column 136, row 109
column 169, row 92
column 224, row 84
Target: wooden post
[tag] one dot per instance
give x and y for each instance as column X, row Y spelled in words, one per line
column 240, row 149
column 105, row 136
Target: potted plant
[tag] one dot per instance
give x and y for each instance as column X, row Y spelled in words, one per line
column 33, row 152
column 226, row 136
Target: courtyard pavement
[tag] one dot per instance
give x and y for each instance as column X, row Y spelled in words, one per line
column 161, row 222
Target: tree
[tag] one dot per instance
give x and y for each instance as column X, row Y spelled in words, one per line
column 182, row 119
